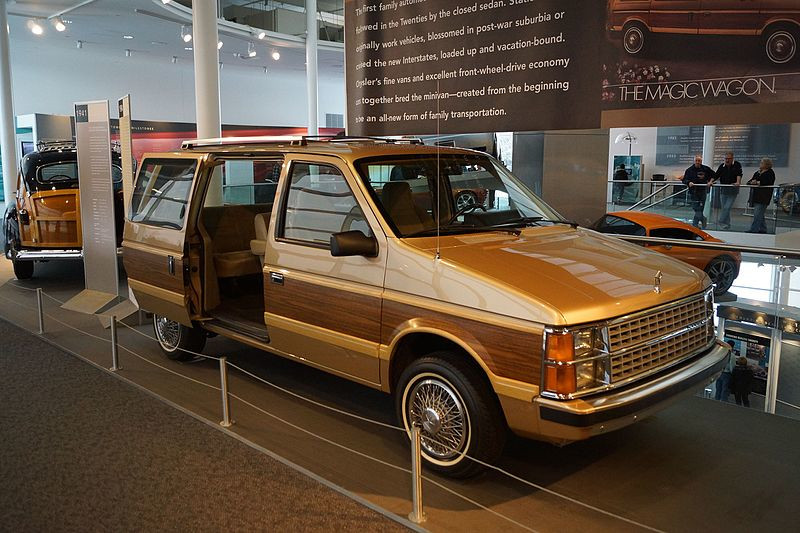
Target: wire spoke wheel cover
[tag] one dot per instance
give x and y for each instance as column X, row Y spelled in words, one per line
column 464, row 199
column 633, row 40
column 168, row 332
column 433, row 404
column 781, row 46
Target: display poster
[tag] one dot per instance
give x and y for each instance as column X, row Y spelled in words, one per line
column 756, row 349
column 677, row 146
column 463, row 66
column 93, row 140
column 443, row 66
column 126, row 148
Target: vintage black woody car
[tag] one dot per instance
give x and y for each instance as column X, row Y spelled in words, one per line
column 42, row 221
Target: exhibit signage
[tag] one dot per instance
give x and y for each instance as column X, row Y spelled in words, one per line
column 93, row 140
column 126, row 148
column 461, row 66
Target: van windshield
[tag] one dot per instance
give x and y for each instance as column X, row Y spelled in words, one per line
column 451, row 193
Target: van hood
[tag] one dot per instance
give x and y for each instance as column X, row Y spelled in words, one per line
column 579, row 274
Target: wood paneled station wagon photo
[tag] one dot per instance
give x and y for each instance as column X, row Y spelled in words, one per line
column 478, row 317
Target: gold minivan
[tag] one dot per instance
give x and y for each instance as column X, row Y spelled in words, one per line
column 353, row 256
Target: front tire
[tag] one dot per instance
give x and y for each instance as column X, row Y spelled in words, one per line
column 780, row 44
column 457, row 411
column 635, row 37
column 22, row 269
column 722, row 271
column 174, row 338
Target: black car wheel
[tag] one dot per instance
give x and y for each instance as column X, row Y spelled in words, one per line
column 22, row 269
column 780, row 44
column 175, row 338
column 634, row 38
column 723, row 271
column 458, row 413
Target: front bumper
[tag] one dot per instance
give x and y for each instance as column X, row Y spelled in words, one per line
column 571, row 420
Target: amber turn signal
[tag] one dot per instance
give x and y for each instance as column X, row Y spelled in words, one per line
column 560, row 378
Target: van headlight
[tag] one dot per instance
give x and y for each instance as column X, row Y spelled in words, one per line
column 575, row 362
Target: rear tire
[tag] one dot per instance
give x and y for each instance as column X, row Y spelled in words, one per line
column 457, row 410
column 635, row 38
column 22, row 269
column 722, row 271
column 174, row 338
column 780, row 44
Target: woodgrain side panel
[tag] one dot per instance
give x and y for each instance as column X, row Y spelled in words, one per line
column 153, row 268
column 507, row 352
column 339, row 310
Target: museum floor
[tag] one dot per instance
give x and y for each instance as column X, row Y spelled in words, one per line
column 699, row 465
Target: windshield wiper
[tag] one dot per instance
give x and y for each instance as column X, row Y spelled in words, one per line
column 531, row 221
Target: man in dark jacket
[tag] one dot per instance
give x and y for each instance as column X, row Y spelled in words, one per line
column 742, row 381
column 698, row 178
column 729, row 173
column 620, row 182
column 762, row 195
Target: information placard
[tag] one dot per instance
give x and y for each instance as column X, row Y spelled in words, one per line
column 435, row 66
column 126, row 148
column 93, row 139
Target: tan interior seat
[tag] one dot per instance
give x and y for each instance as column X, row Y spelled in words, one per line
column 398, row 201
column 258, row 246
column 231, row 229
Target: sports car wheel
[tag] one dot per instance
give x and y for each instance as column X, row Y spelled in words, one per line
column 722, row 271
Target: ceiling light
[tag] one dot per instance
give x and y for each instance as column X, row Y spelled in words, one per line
column 186, row 34
column 165, row 2
column 276, row 55
column 58, row 24
column 78, row 44
column 265, row 70
column 261, row 35
column 128, row 37
column 251, row 50
column 219, row 45
column 187, row 48
column 174, row 59
column 221, row 65
column 35, row 27
column 127, row 52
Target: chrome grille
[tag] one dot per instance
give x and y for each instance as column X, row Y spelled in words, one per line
column 651, row 340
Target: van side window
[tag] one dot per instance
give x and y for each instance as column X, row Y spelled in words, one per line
column 249, row 182
column 319, row 203
column 162, row 192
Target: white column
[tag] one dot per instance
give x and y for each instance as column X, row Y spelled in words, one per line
column 311, row 66
column 709, row 144
column 206, row 68
column 8, row 129
column 205, row 37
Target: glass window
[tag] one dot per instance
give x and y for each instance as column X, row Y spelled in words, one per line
column 675, row 233
column 161, row 193
column 618, row 226
column 319, row 203
column 68, row 171
column 249, row 182
column 459, row 192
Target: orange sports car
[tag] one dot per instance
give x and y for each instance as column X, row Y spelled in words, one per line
column 721, row 266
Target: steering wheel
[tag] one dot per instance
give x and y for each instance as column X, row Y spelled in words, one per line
column 60, row 177
column 464, row 210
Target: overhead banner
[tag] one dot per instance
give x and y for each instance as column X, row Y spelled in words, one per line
column 436, row 66
column 461, row 66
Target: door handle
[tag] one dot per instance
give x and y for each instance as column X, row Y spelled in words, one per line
column 171, row 265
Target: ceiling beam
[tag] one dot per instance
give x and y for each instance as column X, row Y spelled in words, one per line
column 71, row 9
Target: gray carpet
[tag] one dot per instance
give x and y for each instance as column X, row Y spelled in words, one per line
column 83, row 451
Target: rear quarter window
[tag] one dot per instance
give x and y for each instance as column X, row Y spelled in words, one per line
column 619, row 226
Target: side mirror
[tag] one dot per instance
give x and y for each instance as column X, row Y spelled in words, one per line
column 350, row 243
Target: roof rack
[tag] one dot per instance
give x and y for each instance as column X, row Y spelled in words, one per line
column 293, row 140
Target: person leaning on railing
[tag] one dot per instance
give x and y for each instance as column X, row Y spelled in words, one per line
column 698, row 178
column 729, row 173
column 763, row 178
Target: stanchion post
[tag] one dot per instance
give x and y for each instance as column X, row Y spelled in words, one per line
column 226, row 406
column 41, row 310
column 114, row 346
column 417, row 514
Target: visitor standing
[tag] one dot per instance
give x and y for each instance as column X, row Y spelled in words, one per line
column 764, row 178
column 729, row 174
column 741, row 381
column 698, row 178
column 620, row 182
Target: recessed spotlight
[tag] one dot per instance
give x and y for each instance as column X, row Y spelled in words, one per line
column 276, row 55
column 174, row 59
column 186, row 34
column 58, row 24
column 261, row 35
column 127, row 52
column 221, row 65
column 251, row 50
column 78, row 44
column 219, row 45
column 128, row 37
column 165, row 2
column 35, row 27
